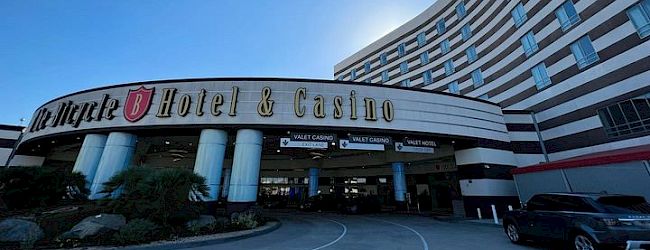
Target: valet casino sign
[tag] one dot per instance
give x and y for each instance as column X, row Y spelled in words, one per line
column 171, row 102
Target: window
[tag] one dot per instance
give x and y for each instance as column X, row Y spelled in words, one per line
column 367, row 80
column 449, row 67
column 340, row 78
column 422, row 39
column 477, row 78
column 444, row 46
column 540, row 75
column 426, row 77
column 584, row 52
column 567, row 15
column 384, row 76
column 627, row 117
column 353, row 74
column 424, row 58
column 484, row 97
column 366, row 68
column 383, row 59
column 453, row 87
column 539, row 202
column 529, row 44
column 466, row 32
column 519, row 15
column 460, row 10
column 639, row 14
column 401, row 49
column 471, row 54
column 406, row 83
column 404, row 67
column 440, row 26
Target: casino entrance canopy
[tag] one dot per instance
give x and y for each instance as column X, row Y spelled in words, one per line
column 234, row 131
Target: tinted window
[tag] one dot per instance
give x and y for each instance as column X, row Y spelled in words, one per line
column 625, row 204
column 538, row 202
column 572, row 204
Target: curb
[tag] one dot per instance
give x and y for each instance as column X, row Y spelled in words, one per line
column 467, row 222
column 202, row 241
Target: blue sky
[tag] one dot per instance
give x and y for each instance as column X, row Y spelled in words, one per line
column 52, row 48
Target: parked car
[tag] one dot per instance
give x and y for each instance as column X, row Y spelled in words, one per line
column 581, row 220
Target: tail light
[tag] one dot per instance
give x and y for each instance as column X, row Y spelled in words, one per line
column 610, row 222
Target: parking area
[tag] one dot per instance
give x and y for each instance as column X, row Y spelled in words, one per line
column 313, row 231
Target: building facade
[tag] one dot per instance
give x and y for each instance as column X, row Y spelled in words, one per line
column 256, row 137
column 437, row 113
column 571, row 76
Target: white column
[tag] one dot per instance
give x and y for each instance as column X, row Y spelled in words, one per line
column 399, row 181
column 245, row 173
column 313, row 181
column 209, row 160
column 89, row 156
column 115, row 158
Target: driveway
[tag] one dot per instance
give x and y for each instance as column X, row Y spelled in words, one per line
column 314, row 231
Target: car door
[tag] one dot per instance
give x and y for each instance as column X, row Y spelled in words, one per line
column 551, row 223
column 528, row 223
column 545, row 218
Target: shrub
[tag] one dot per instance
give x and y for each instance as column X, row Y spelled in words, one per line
column 137, row 231
column 160, row 195
column 246, row 220
column 28, row 187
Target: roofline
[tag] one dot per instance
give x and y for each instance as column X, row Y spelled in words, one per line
column 275, row 79
column 639, row 153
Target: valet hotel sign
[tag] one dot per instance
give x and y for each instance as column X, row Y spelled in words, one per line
column 358, row 142
column 172, row 103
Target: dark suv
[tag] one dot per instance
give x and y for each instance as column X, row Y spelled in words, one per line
column 583, row 220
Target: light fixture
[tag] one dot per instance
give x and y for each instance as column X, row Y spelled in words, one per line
column 277, row 151
column 53, row 141
column 167, row 142
column 333, row 143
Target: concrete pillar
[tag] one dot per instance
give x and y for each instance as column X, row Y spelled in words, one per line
column 226, row 182
column 89, row 156
column 115, row 158
column 313, row 181
column 244, row 177
column 399, row 182
column 209, row 160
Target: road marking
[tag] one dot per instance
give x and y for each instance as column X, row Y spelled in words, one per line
column 345, row 230
column 424, row 242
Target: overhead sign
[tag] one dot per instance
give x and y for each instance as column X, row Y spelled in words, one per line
column 346, row 144
column 371, row 139
column 288, row 143
column 400, row 147
column 417, row 142
column 313, row 137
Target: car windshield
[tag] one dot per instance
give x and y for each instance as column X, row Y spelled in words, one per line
column 625, row 204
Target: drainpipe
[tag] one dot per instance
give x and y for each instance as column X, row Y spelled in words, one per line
column 539, row 136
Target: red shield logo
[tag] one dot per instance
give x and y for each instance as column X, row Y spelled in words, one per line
column 137, row 103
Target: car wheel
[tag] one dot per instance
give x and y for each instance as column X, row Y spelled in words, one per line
column 513, row 233
column 583, row 242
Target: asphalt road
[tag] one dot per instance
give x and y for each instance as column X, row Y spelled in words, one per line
column 334, row 231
